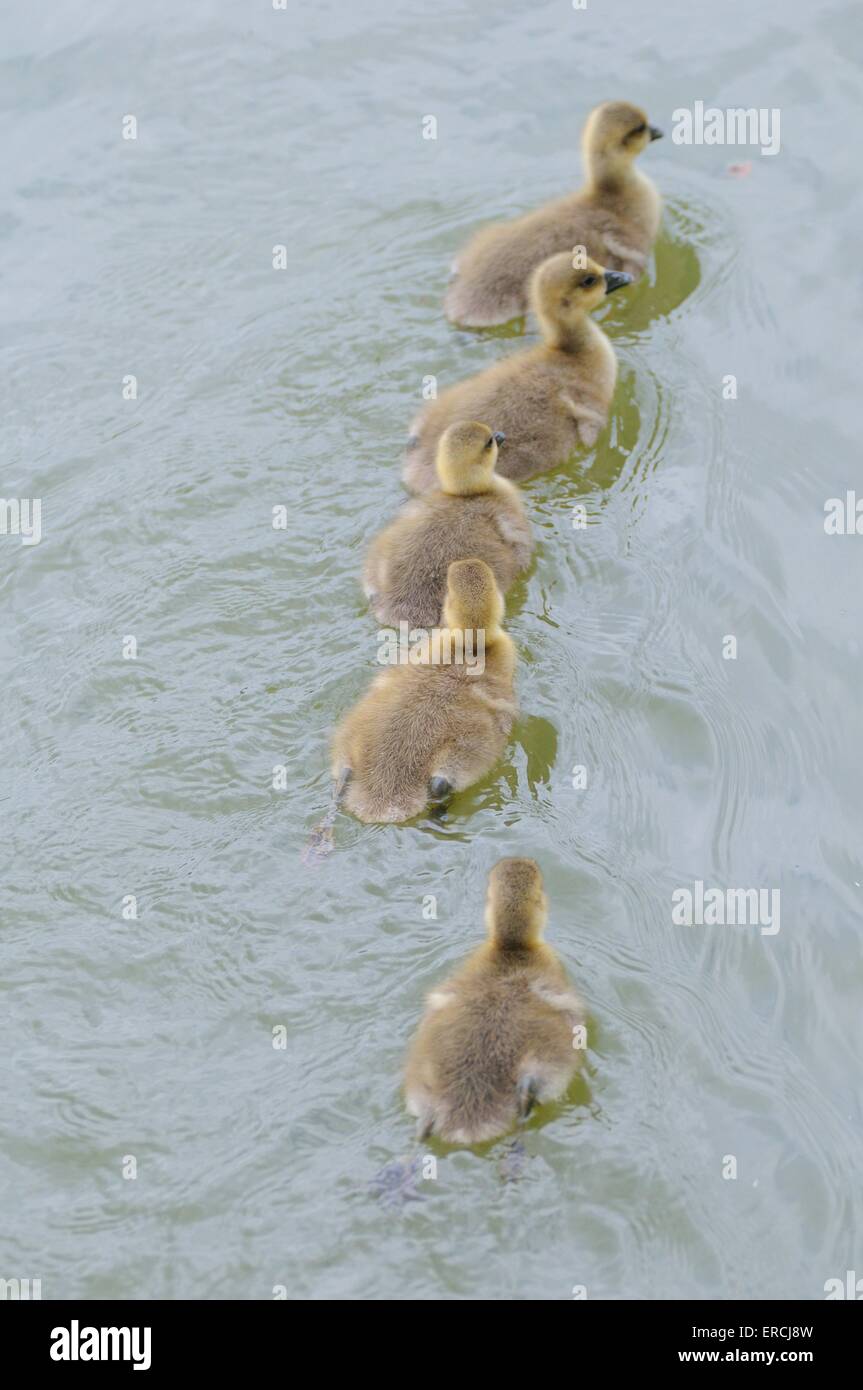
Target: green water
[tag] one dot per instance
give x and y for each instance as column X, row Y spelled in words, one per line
column 152, row 1038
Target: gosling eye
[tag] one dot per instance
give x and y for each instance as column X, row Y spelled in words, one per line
column 639, row 130
column 588, row 281
column 489, row 444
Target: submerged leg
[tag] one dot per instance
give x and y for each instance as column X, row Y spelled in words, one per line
column 512, row 1162
column 320, row 841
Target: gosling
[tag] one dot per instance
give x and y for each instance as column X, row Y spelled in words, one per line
column 472, row 512
column 434, row 726
column 499, row 1035
column 615, row 217
column 548, row 399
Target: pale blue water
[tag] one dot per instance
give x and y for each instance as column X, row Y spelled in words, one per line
column 152, row 1038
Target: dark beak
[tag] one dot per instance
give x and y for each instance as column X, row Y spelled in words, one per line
column 655, row 132
column 615, row 280
column 499, row 438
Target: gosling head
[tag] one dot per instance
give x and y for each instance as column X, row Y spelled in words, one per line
column 466, row 456
column 560, row 295
column 516, row 906
column 473, row 600
column 615, row 134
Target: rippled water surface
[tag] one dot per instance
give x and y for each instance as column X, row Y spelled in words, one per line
column 152, row 1038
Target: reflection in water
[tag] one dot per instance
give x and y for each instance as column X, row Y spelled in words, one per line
column 673, row 275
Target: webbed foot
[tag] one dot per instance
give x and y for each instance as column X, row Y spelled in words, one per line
column 396, row 1183
column 319, row 844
